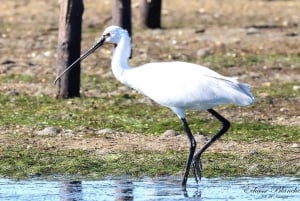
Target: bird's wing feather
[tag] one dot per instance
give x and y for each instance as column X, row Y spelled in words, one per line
column 186, row 85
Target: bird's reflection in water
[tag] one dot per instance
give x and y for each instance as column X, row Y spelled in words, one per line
column 196, row 194
column 127, row 190
column 123, row 190
column 71, row 191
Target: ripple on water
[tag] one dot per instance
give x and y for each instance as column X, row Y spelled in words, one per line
column 166, row 188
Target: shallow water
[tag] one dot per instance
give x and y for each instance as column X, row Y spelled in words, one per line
column 167, row 188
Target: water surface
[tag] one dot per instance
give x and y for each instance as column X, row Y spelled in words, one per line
column 167, row 188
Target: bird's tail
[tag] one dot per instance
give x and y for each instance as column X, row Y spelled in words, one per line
column 245, row 88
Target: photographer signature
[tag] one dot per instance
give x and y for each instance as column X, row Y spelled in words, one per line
column 272, row 189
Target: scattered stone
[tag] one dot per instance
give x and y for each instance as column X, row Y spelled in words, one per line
column 8, row 61
column 105, row 131
column 69, row 132
column 201, row 30
column 47, row 53
column 169, row 133
column 253, row 152
column 283, row 109
column 50, row 131
column 12, row 92
column 266, row 84
column 292, row 34
column 204, row 52
column 252, row 31
column 295, row 145
column 296, row 88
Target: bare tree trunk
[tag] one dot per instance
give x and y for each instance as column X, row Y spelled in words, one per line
column 68, row 50
column 121, row 12
column 150, row 12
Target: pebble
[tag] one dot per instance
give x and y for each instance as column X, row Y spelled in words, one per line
column 203, row 52
column 69, row 133
column 251, row 31
column 12, row 92
column 8, row 61
column 295, row 145
column 266, row 84
column 169, row 133
column 201, row 30
column 51, row 131
column 296, row 88
column 105, row 131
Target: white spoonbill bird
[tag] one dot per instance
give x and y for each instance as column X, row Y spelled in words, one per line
column 176, row 85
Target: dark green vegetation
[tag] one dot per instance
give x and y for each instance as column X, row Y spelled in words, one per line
column 19, row 162
column 125, row 113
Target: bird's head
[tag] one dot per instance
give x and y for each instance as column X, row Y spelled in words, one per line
column 111, row 34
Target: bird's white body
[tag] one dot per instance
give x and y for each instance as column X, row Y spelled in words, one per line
column 178, row 85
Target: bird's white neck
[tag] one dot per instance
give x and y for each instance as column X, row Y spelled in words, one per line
column 119, row 62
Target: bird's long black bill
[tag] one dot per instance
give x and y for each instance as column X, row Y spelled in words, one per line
column 82, row 57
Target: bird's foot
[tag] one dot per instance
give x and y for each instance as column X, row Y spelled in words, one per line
column 197, row 168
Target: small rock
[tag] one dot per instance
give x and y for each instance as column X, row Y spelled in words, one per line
column 69, row 132
column 295, row 145
column 201, row 30
column 283, row 109
column 251, row 31
column 8, row 61
column 47, row 53
column 253, row 152
column 267, row 84
column 292, row 34
column 203, row 52
column 296, row 88
column 169, row 133
column 105, row 131
column 12, row 92
column 52, row 131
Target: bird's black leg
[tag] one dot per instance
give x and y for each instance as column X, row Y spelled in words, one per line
column 191, row 154
column 197, row 166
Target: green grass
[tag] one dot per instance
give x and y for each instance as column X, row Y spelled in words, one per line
column 104, row 85
column 12, row 78
column 125, row 114
column 253, row 164
column 280, row 90
column 263, row 132
column 19, row 162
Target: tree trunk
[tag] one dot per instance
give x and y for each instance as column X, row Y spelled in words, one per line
column 68, row 50
column 121, row 14
column 150, row 12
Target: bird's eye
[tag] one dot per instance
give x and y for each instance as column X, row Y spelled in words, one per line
column 107, row 35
